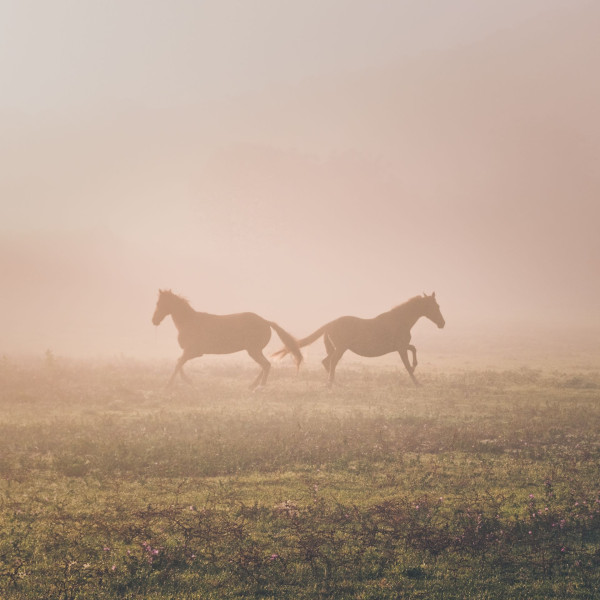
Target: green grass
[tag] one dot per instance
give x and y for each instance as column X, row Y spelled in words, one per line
column 478, row 484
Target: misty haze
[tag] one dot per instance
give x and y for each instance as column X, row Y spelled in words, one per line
column 387, row 209
column 457, row 151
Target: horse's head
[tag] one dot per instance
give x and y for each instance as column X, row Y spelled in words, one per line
column 431, row 310
column 163, row 306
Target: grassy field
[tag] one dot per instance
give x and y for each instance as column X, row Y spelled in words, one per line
column 478, row 484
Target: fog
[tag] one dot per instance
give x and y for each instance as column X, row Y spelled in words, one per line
column 300, row 160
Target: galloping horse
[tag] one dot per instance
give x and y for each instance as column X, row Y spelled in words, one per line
column 388, row 332
column 202, row 333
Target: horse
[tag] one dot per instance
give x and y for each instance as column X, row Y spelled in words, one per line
column 202, row 333
column 385, row 333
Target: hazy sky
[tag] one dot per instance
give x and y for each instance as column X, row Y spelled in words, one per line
column 68, row 57
column 299, row 159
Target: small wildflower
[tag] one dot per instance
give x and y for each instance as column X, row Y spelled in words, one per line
column 106, row 549
column 113, row 568
column 274, row 557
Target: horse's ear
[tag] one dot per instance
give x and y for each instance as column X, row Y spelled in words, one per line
column 424, row 295
column 433, row 295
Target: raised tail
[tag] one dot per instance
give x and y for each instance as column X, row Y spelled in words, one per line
column 290, row 343
column 301, row 343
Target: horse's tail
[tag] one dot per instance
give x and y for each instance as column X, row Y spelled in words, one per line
column 290, row 343
column 303, row 342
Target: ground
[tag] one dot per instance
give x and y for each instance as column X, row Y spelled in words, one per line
column 480, row 483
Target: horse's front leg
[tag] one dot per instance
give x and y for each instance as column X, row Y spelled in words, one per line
column 414, row 353
column 179, row 369
column 404, row 356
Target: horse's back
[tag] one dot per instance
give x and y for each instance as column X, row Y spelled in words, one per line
column 245, row 323
column 224, row 334
column 348, row 327
column 243, row 318
column 366, row 337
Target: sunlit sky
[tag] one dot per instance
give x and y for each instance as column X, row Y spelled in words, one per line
column 302, row 160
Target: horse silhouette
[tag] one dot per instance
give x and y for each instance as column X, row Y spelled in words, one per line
column 202, row 333
column 388, row 332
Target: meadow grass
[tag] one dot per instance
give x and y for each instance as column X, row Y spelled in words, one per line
column 478, row 484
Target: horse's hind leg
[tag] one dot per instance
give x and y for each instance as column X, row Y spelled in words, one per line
column 334, row 359
column 330, row 348
column 260, row 358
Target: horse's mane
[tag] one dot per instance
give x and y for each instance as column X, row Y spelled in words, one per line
column 406, row 304
column 177, row 297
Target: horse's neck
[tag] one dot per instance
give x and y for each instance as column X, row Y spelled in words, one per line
column 182, row 315
column 405, row 317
